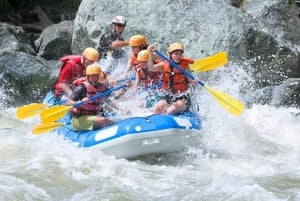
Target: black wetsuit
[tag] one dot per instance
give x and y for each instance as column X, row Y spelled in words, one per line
column 105, row 45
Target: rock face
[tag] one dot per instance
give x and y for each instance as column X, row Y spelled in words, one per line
column 25, row 77
column 55, row 41
column 261, row 37
column 14, row 39
column 255, row 33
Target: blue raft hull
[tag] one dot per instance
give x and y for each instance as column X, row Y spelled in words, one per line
column 136, row 136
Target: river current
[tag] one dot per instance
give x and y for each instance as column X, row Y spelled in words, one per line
column 254, row 156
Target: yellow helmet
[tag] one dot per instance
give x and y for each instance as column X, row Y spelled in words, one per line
column 102, row 77
column 93, row 69
column 91, row 54
column 137, row 40
column 143, row 55
column 175, row 46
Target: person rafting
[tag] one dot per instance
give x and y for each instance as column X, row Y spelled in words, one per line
column 137, row 43
column 111, row 42
column 146, row 82
column 73, row 67
column 89, row 116
column 175, row 84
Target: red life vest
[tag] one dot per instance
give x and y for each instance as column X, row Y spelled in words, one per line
column 147, row 78
column 77, row 70
column 173, row 79
column 84, row 79
column 92, row 107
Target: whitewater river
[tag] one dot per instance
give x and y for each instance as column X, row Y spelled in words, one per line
column 255, row 156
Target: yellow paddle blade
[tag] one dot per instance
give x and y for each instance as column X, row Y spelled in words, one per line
column 43, row 128
column 209, row 63
column 29, row 110
column 54, row 113
column 226, row 101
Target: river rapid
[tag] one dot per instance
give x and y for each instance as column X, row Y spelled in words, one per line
column 254, row 156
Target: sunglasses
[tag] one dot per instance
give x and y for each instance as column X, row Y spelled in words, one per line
column 119, row 25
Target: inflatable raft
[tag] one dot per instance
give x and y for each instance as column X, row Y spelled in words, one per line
column 139, row 135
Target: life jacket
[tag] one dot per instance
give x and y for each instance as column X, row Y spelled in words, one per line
column 79, row 81
column 77, row 70
column 173, row 79
column 92, row 107
column 147, row 78
column 75, row 61
column 133, row 61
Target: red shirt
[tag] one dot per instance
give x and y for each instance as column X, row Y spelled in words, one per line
column 71, row 70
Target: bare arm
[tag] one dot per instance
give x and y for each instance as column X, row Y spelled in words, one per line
column 128, row 68
column 119, row 44
column 151, row 65
column 136, row 83
column 66, row 89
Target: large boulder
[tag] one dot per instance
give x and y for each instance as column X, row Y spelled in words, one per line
column 55, row 41
column 286, row 94
column 25, row 78
column 255, row 33
column 13, row 38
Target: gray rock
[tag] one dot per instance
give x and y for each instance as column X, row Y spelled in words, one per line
column 55, row 41
column 26, row 78
column 13, row 38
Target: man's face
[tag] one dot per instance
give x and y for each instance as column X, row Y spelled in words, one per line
column 119, row 28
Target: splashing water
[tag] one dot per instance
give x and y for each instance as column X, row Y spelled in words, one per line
column 251, row 157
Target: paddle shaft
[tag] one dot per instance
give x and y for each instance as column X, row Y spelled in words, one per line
column 124, row 80
column 100, row 95
column 178, row 67
column 57, row 112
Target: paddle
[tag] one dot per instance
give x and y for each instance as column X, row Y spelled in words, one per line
column 57, row 112
column 209, row 63
column 43, row 128
column 228, row 102
column 32, row 109
column 29, row 110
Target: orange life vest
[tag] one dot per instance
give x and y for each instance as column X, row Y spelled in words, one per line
column 173, row 79
column 133, row 60
column 147, row 78
column 92, row 107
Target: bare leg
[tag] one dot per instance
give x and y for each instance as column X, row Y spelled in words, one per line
column 176, row 107
column 100, row 122
column 160, row 107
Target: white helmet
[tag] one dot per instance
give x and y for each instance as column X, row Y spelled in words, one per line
column 119, row 20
